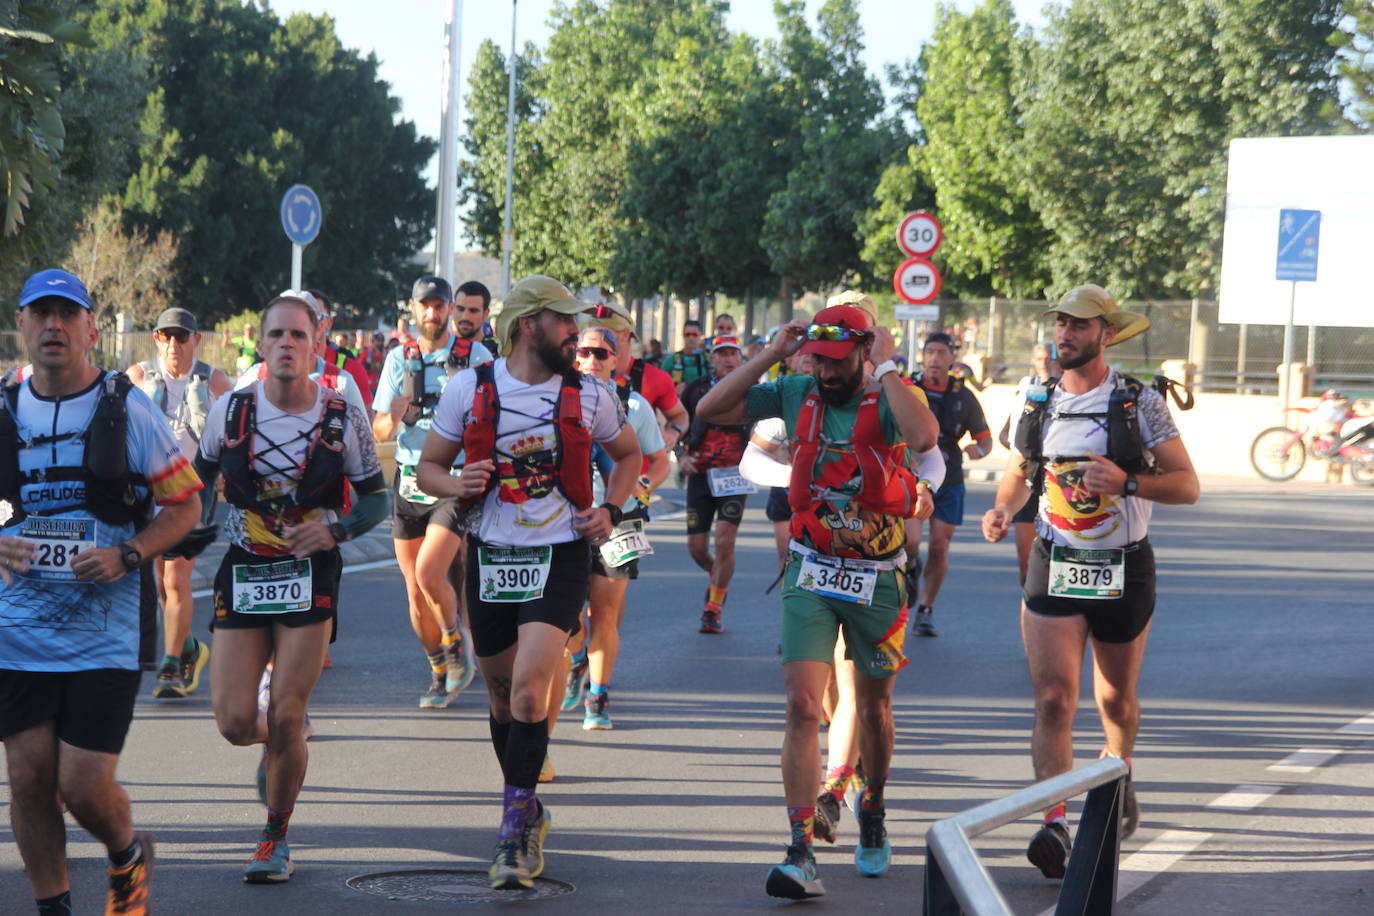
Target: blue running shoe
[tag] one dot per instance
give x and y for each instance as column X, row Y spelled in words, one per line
column 874, row 852
column 271, row 864
column 796, row 877
column 462, row 667
column 577, row 685
column 597, row 716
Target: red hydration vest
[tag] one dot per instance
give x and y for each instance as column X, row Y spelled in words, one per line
column 574, row 441
column 886, row 485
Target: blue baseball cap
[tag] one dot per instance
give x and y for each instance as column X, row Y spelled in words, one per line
column 55, row 282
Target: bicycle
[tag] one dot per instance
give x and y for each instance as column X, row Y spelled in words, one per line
column 1279, row 453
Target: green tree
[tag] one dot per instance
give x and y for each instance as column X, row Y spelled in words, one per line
column 901, row 189
column 1355, row 40
column 245, row 106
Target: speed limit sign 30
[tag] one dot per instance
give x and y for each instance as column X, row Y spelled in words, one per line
column 919, row 234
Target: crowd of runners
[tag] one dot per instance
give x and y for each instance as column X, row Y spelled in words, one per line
column 527, row 455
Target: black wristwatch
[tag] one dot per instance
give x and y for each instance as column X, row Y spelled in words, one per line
column 130, row 557
column 338, row 532
column 1131, row 485
column 615, row 511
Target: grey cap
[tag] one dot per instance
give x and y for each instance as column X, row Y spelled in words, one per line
column 176, row 318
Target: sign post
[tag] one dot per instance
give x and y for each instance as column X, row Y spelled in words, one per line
column 1296, row 262
column 300, row 218
column 917, row 280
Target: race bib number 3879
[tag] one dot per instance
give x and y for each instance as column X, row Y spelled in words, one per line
column 1085, row 573
column 512, row 574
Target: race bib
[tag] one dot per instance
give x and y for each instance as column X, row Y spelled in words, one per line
column 512, row 574
column 1098, row 574
column 410, row 491
column 282, row 587
column 60, row 541
column 729, row 482
column 628, row 542
column 848, row 580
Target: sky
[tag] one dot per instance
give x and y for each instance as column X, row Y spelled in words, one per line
column 408, row 37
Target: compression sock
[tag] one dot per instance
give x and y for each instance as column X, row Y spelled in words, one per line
column 526, row 749
column 438, row 663
column 872, row 799
column 124, row 858
column 500, row 736
column 837, row 780
column 716, row 596
column 1059, row 812
column 803, row 823
column 276, row 824
column 59, row 905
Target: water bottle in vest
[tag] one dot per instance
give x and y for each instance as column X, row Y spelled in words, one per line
column 197, row 404
column 412, row 385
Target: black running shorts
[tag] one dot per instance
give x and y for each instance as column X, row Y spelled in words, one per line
column 268, row 581
column 778, row 508
column 92, row 709
column 496, row 624
column 1116, row 620
column 410, row 519
column 702, row 507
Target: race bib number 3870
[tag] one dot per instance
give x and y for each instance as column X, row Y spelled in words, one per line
column 512, row 574
column 1085, row 573
column 282, row 587
column 58, row 542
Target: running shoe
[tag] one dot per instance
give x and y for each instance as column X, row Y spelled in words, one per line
column 264, row 690
column 874, row 852
column 922, row 625
column 437, row 696
column 170, row 684
column 796, row 877
column 129, row 885
column 827, row 816
column 1049, row 849
column 193, row 665
column 531, row 850
column 507, row 872
column 1130, row 809
column 261, row 778
column 271, row 864
column 462, row 666
column 710, row 619
column 597, row 716
column 546, row 771
column 577, row 685
column 855, row 793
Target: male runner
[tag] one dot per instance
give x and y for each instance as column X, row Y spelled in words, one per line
column 287, row 447
column 335, row 354
column 427, row 530
column 325, row 372
column 247, row 346
column 724, row 327
column 850, row 488
column 958, row 412
column 1106, row 448
column 1044, row 367
column 634, row 374
column 472, row 308
column 183, row 387
column 87, row 455
column 690, row 362
column 527, row 424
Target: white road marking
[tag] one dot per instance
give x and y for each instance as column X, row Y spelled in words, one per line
column 1305, row 760
column 1361, row 726
column 1242, row 798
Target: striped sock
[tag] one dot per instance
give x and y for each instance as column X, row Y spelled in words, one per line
column 803, row 823
column 438, row 663
column 450, row 636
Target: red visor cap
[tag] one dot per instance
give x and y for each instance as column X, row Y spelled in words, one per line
column 841, row 316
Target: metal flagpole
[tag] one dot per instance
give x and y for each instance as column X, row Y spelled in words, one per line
column 444, row 241
column 508, row 236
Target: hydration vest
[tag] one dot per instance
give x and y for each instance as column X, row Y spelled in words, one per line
column 633, row 382
column 680, row 369
column 197, row 399
column 945, row 408
column 322, row 482
column 459, row 355
column 574, row 441
column 886, row 485
column 104, row 468
column 1125, row 447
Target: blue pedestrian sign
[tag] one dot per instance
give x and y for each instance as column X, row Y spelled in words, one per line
column 1299, row 231
column 300, row 214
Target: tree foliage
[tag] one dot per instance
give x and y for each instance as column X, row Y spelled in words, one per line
column 126, row 271
column 1355, row 41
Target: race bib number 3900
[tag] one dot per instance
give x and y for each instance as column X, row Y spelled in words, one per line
column 59, row 541
column 850, row 580
column 512, row 574
column 273, row 588
column 1097, row 574
column 729, row 482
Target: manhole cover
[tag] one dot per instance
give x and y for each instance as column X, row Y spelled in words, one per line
column 445, row 886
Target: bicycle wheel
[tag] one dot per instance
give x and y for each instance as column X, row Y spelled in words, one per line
column 1278, row 453
column 1362, row 472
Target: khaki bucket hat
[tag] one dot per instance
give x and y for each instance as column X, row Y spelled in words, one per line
column 1092, row 301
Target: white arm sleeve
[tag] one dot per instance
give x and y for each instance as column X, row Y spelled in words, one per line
column 757, row 466
column 930, row 466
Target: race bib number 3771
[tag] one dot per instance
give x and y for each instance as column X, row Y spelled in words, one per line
column 512, row 574
column 1097, row 574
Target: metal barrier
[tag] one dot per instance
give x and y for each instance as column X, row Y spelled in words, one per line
column 956, row 881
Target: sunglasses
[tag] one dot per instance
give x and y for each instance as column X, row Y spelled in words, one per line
column 594, row 352
column 691, row 333
column 178, row 336
column 833, row 332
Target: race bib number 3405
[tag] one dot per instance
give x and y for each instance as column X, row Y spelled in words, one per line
column 1097, row 574
column 848, row 580
column 512, row 574
column 283, row 587
column 59, row 541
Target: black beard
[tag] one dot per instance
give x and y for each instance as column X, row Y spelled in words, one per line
column 1086, row 355
column 841, row 391
column 555, row 357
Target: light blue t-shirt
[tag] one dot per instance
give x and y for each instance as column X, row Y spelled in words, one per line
column 410, row 440
column 50, row 620
column 640, row 415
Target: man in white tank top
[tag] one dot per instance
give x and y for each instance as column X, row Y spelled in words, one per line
column 184, row 387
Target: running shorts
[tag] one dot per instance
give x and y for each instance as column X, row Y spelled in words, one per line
column 702, row 507
column 92, row 709
column 1114, row 620
column 949, row 502
column 778, row 508
column 496, row 624
column 410, row 519
column 874, row 634
column 267, row 580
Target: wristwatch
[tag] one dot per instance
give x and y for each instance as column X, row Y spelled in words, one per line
column 680, row 430
column 615, row 511
column 882, row 369
column 1131, row 485
column 130, row 557
column 338, row 532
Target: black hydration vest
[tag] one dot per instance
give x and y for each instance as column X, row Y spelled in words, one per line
column 1125, row 447
column 104, row 469
column 633, row 382
column 322, row 482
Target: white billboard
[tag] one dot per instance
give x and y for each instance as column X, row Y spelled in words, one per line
column 1334, row 175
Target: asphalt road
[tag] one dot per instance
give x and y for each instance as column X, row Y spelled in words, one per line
column 1254, row 799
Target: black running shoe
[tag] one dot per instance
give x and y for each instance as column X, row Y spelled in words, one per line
column 922, row 626
column 1049, row 849
column 1130, row 809
column 796, row 877
column 827, row 817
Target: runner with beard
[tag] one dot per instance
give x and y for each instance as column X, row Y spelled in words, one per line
column 472, row 308
column 527, row 423
column 1105, row 448
column 852, row 436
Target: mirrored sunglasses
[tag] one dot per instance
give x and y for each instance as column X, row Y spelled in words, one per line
column 833, row 332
